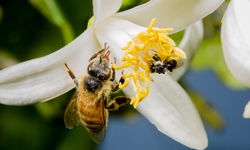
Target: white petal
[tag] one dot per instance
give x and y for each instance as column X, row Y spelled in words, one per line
column 190, row 44
column 176, row 14
column 246, row 113
column 117, row 30
column 170, row 109
column 235, row 36
column 46, row 77
column 104, row 9
column 117, row 33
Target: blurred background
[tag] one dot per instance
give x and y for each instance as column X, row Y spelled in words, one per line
column 35, row 28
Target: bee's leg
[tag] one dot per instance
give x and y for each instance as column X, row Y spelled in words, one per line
column 156, row 57
column 113, row 71
column 113, row 75
column 71, row 74
column 94, row 56
column 100, row 51
column 116, row 102
column 116, row 87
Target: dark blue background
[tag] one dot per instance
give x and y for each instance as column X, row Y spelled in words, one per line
column 140, row 134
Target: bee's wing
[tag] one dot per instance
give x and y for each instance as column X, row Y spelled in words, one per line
column 71, row 115
column 180, row 63
column 99, row 137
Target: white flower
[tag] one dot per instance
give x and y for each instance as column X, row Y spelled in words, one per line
column 235, row 36
column 246, row 113
column 167, row 106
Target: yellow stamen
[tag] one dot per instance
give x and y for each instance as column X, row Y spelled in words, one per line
column 127, row 75
column 142, row 77
column 151, row 25
column 129, row 44
column 121, row 86
column 180, row 53
column 139, row 51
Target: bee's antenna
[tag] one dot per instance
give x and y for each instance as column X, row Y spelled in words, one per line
column 71, row 74
column 100, row 60
column 99, row 52
column 106, row 55
column 105, row 46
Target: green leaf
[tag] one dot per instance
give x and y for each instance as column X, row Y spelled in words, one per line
column 51, row 10
column 208, row 113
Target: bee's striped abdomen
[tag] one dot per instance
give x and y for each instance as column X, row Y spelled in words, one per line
column 92, row 116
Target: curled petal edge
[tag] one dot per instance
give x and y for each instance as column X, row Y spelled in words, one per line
column 190, row 44
column 104, row 9
column 44, row 78
column 235, row 33
column 170, row 14
column 246, row 113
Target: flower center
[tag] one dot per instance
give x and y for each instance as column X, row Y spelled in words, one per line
column 151, row 51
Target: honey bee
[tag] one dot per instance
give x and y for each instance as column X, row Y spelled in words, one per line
column 90, row 103
column 156, row 65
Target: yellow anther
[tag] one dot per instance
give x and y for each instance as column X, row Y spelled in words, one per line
column 132, row 101
column 166, row 40
column 140, row 96
column 136, row 67
column 127, row 75
column 145, row 59
column 118, row 67
column 139, row 51
column 135, row 101
column 128, row 46
column 149, row 77
column 121, row 86
column 147, row 91
column 180, row 53
column 135, row 104
column 142, row 77
column 166, row 30
column 151, row 25
column 145, row 67
column 135, row 78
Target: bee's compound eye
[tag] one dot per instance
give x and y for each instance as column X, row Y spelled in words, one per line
column 151, row 66
column 104, row 75
column 92, row 71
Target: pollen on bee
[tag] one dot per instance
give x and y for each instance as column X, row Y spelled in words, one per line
column 121, row 86
column 137, row 54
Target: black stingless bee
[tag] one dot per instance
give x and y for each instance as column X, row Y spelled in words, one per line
column 156, row 65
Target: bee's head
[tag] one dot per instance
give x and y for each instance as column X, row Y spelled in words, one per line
column 100, row 67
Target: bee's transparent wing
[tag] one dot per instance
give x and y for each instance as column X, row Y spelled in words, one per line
column 71, row 115
column 98, row 137
column 180, row 63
